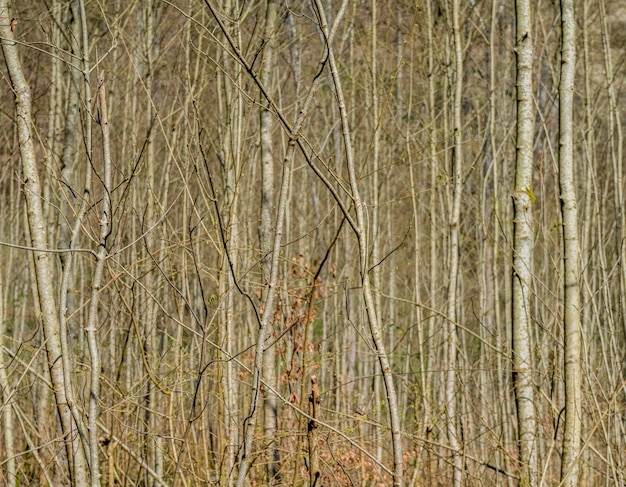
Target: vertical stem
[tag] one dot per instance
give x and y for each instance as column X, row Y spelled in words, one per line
column 230, row 156
column 149, row 315
column 523, row 198
column 78, row 10
column 265, row 229
column 314, row 401
column 375, row 225
column 616, row 144
column 429, row 359
column 92, row 324
column 571, row 254
column 452, row 339
column 7, row 403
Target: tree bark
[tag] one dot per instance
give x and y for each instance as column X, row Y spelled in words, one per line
column 571, row 255
column 8, row 429
column 452, row 398
column 270, row 408
column 523, row 199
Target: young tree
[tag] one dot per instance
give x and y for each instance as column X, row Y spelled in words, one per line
column 523, row 199
column 8, row 428
column 452, row 398
column 270, row 408
column 571, row 255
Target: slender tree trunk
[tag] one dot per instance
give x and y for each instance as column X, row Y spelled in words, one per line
column 523, row 198
column 572, row 323
column 148, row 313
column 587, row 258
column 92, row 325
column 613, row 303
column 230, row 105
column 375, row 214
column 270, row 408
column 8, row 429
column 452, row 398
column 430, row 355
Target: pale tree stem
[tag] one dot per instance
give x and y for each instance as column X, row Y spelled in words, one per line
column 270, row 411
column 79, row 32
column 453, row 276
column 7, row 407
column 152, row 398
column 615, row 149
column 571, row 253
column 92, row 324
column 230, row 155
column 430, row 325
column 523, row 198
column 375, row 224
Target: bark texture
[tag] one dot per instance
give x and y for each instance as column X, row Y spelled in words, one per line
column 523, row 198
column 570, row 465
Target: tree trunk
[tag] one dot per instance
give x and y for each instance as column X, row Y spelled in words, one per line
column 572, row 323
column 523, row 198
column 452, row 398
column 270, row 408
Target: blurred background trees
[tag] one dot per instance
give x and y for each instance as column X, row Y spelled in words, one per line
column 279, row 241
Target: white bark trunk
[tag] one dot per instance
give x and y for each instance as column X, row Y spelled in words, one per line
column 270, row 409
column 7, row 407
column 523, row 198
column 453, row 270
column 571, row 253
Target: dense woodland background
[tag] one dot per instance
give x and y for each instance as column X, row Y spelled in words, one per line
column 271, row 281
